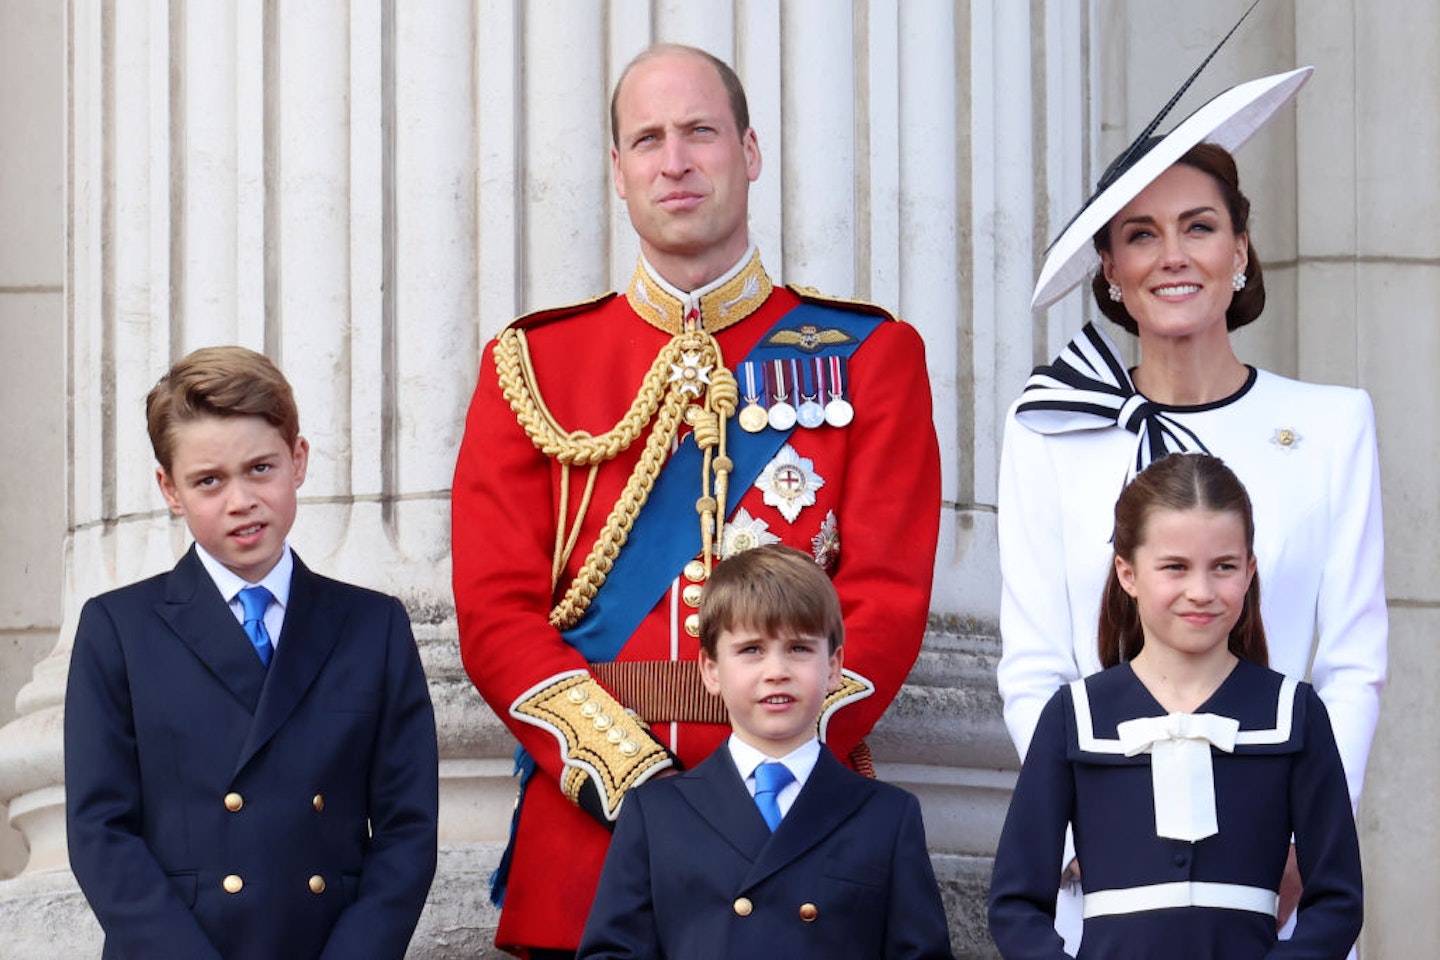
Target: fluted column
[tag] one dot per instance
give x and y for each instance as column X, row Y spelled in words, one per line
column 368, row 190
column 1367, row 276
column 298, row 178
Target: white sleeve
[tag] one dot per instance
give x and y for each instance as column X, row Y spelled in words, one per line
column 1035, row 630
column 1350, row 654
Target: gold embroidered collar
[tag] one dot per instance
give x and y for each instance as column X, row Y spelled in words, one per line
column 719, row 304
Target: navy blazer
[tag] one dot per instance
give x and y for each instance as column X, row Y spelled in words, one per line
column 694, row 873
column 219, row 810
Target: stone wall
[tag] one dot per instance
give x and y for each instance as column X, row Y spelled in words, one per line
column 368, row 190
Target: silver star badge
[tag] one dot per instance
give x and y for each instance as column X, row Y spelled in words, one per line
column 744, row 532
column 691, row 376
column 789, row 482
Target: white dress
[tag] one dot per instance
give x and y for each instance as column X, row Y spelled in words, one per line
column 1306, row 454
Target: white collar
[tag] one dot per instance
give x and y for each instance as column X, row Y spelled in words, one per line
column 801, row 760
column 229, row 583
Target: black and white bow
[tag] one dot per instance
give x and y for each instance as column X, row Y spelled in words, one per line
column 1089, row 388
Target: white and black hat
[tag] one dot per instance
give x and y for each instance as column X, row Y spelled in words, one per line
column 1229, row 120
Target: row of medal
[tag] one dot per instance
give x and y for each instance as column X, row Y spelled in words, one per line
column 780, row 394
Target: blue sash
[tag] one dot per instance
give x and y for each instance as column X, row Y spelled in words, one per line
column 666, row 534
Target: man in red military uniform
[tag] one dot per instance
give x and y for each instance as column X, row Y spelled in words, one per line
column 616, row 450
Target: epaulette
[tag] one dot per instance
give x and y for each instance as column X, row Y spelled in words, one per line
column 811, row 295
column 538, row 318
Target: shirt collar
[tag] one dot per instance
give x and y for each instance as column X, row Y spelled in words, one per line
column 801, row 760
column 229, row 583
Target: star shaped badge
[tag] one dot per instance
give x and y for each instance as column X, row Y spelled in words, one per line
column 690, row 374
column 789, row 482
column 744, row 532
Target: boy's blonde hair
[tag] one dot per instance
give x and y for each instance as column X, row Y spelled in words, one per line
column 224, row 381
column 770, row 589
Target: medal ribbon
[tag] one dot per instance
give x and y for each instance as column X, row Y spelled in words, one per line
column 748, row 369
column 837, row 377
column 779, row 389
column 805, row 385
column 658, row 546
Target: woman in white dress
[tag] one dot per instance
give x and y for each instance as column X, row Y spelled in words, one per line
column 1169, row 228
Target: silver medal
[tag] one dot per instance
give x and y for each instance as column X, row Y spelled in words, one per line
column 839, row 413
column 782, row 415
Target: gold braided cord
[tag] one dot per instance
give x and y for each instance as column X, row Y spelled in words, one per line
column 517, row 382
column 580, row 514
column 661, row 404
column 709, row 430
column 616, row 531
column 725, row 398
column 556, row 567
column 564, row 546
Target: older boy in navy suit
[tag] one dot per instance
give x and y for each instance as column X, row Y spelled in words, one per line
column 771, row 847
column 250, row 755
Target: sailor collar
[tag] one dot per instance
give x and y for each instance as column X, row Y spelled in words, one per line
column 1181, row 747
column 721, row 303
column 1268, row 724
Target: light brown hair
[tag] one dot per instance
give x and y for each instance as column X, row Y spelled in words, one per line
column 771, row 589
column 223, row 381
column 1181, row 481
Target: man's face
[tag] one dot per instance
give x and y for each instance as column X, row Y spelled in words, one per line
column 683, row 169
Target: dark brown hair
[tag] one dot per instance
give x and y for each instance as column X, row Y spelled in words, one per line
column 219, row 382
column 1248, row 303
column 770, row 589
column 734, row 90
column 1181, row 481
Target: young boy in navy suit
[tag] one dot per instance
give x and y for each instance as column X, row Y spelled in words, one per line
column 771, row 847
column 250, row 756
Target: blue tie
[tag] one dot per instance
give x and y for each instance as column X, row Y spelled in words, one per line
column 255, row 600
column 770, row 779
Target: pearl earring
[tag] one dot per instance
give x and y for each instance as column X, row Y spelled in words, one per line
column 1237, row 282
column 1115, row 293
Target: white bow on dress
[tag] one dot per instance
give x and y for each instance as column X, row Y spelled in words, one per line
column 1182, row 773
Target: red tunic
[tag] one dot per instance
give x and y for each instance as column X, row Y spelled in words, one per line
column 881, row 480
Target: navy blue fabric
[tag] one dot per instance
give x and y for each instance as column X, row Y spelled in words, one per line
column 168, row 711
column 693, row 872
column 1264, row 793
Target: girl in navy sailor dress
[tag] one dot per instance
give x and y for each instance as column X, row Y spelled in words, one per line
column 1186, row 766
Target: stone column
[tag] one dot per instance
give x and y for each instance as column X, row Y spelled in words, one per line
column 368, row 190
column 1367, row 276
column 32, row 325
column 299, row 179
